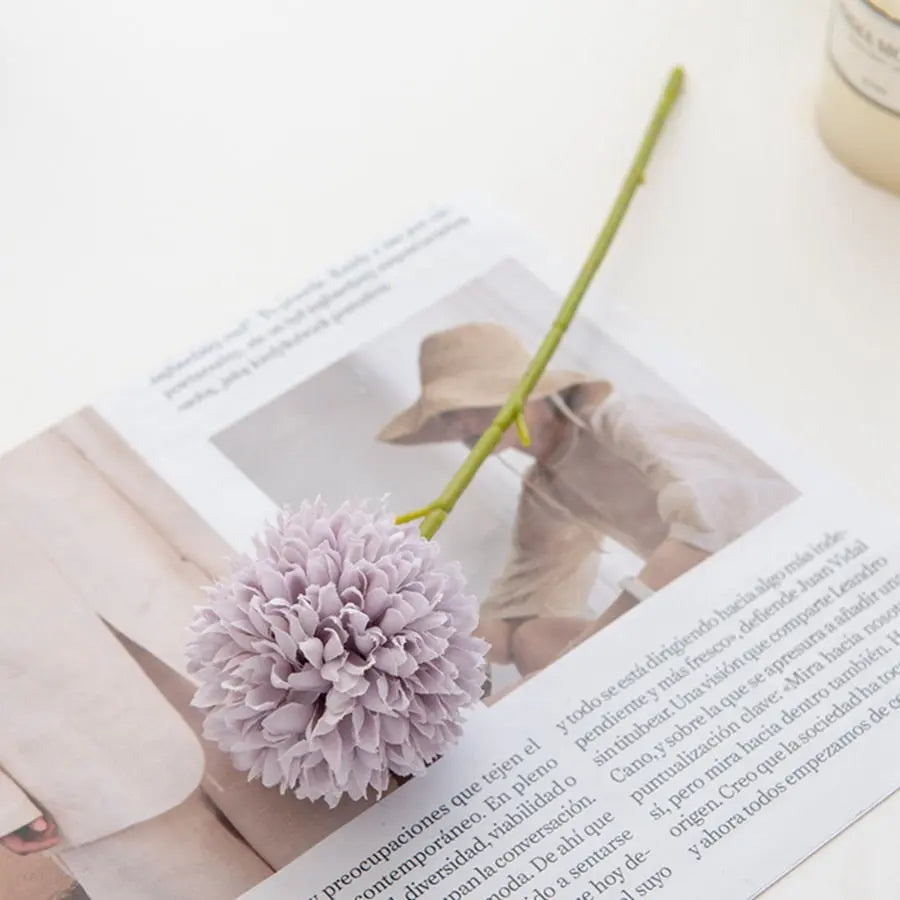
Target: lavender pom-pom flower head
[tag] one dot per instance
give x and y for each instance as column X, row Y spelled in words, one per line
column 340, row 654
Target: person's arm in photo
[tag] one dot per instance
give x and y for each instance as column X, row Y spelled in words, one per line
column 671, row 559
column 709, row 489
column 24, row 828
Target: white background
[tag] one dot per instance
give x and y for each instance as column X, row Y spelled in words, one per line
column 164, row 166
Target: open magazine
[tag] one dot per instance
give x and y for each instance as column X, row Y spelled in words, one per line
column 742, row 710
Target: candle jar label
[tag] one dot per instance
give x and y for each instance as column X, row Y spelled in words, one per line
column 864, row 44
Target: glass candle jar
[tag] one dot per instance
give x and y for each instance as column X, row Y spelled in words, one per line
column 859, row 103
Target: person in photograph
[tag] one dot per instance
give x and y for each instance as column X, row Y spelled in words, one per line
column 650, row 472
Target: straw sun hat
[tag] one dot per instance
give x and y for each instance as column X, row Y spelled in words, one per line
column 474, row 366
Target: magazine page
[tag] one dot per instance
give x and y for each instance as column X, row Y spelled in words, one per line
column 731, row 700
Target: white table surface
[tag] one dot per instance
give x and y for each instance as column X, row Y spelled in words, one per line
column 165, row 166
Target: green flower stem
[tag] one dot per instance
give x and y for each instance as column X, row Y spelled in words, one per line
column 512, row 412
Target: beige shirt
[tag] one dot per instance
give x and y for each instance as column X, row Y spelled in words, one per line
column 86, row 735
column 638, row 469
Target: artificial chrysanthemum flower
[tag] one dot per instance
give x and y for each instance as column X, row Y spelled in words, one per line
column 342, row 652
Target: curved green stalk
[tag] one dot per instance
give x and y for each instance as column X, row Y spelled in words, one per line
column 511, row 412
